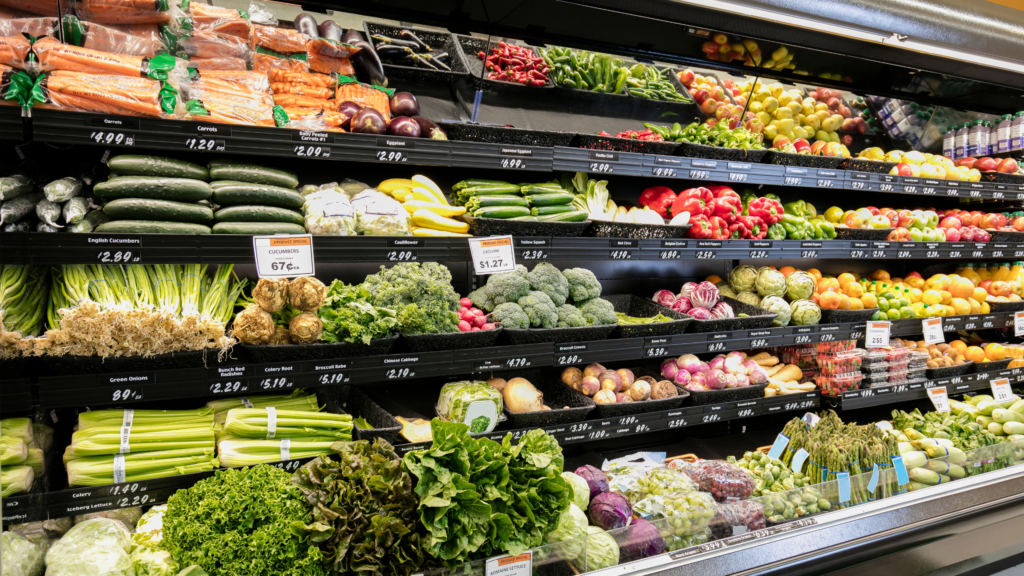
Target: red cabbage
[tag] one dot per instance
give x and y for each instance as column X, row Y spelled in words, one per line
column 642, row 541
column 700, row 313
column 595, row 478
column 610, row 510
column 705, row 295
column 664, row 297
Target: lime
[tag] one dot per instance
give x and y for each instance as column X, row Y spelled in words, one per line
column 906, row 312
column 883, row 304
column 893, row 314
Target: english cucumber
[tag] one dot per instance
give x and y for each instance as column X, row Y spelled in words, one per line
column 257, row 228
column 258, row 214
column 142, row 165
column 159, row 210
column 254, row 174
column 151, row 227
column 246, row 194
column 89, row 223
column 155, row 187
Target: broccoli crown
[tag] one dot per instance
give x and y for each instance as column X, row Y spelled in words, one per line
column 547, row 279
column 421, row 294
column 583, row 285
column 570, row 316
column 508, row 286
column 541, row 310
column 510, row 315
column 481, row 299
column 598, row 311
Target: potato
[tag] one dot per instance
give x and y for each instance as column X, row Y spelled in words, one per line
column 572, row 377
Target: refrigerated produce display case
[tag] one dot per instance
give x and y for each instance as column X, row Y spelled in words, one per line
column 551, row 288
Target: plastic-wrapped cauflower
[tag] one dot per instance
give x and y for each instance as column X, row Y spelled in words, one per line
column 704, row 295
column 664, row 297
column 722, row 310
column 700, row 313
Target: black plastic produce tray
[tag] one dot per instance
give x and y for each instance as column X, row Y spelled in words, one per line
column 703, row 397
column 860, row 165
column 384, row 424
column 595, row 142
column 806, row 160
column 471, row 46
column 1005, row 306
column 979, row 367
column 604, row 229
column 322, row 351
column 451, row 341
column 73, row 365
column 558, row 335
column 635, row 306
column 556, row 397
column 439, row 41
column 502, row 227
column 630, row 408
column 757, row 318
column 691, row 150
column 469, row 132
column 844, row 316
column 1002, row 178
column 1006, row 236
column 933, row 373
column 877, row 234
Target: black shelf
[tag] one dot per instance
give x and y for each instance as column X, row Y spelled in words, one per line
column 910, row 392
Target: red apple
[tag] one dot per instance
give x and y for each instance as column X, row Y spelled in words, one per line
column 986, row 164
column 892, row 215
column 951, row 222
column 967, row 233
column 709, row 48
column 984, row 283
column 952, row 235
column 849, row 125
column 824, row 94
column 989, row 222
column 904, row 169
column 687, row 76
column 716, row 57
column 899, row 235
column 754, row 125
column 969, row 162
column 833, row 103
column 701, row 96
column 813, row 94
column 721, row 111
column 1007, row 166
column 802, row 146
column 906, row 218
column 711, row 121
column 980, row 235
column 844, row 112
column 913, row 274
column 846, row 139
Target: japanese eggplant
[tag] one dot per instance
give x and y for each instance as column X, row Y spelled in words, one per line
column 329, row 29
column 366, row 62
column 306, row 24
column 409, row 36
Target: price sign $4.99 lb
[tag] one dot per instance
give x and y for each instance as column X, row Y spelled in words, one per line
column 492, row 254
column 284, row 256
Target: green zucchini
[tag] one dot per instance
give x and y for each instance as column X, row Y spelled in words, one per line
column 155, row 187
column 555, row 199
column 472, row 183
column 490, row 190
column 258, row 214
column 501, row 212
column 546, row 188
column 549, row 210
column 159, row 210
column 245, row 194
column 257, row 228
column 140, row 165
column 574, row 216
column 151, row 227
column 501, row 200
column 524, row 219
column 254, row 174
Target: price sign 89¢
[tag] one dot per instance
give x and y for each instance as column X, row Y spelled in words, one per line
column 284, row 256
column 492, row 255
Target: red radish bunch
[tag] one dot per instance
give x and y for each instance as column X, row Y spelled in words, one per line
column 473, row 319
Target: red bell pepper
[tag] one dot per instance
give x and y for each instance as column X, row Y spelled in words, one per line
column 719, row 228
column 728, row 208
column 695, row 201
column 658, row 198
column 768, row 210
column 738, row 230
column 720, row 190
column 700, row 227
column 756, row 228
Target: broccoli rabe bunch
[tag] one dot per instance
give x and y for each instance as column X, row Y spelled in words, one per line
column 421, row 295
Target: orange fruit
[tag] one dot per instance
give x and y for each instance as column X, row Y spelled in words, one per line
column 853, row 290
column 980, row 294
column 714, row 279
column 829, row 300
column 869, row 300
column 856, row 304
column 828, row 285
column 961, row 287
column 815, row 272
column 961, row 306
column 959, row 345
column 787, row 270
column 844, row 302
column 995, row 352
column 879, row 275
column 845, row 278
column 974, row 354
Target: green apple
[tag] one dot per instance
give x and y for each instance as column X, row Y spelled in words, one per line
column 879, row 221
column 916, row 235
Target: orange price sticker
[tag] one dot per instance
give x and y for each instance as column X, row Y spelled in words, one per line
column 283, row 256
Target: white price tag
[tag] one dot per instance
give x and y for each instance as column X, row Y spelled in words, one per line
column 1018, row 324
column 492, row 254
column 876, row 334
column 1001, row 391
column 284, row 256
column 931, row 328
column 939, row 398
column 519, row 565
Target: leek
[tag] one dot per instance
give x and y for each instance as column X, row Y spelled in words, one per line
column 19, row 427
column 15, row 480
column 36, row 461
column 99, row 470
column 13, row 450
column 248, row 452
column 297, row 400
column 252, row 423
column 107, row 440
column 114, row 418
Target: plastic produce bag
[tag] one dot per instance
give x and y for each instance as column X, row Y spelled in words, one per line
column 329, row 213
column 458, row 403
column 97, row 546
column 124, row 11
column 56, row 56
column 210, row 44
column 13, row 186
column 204, row 17
column 31, row 7
column 378, row 214
column 62, row 190
column 640, row 483
column 19, row 556
column 15, row 210
column 106, row 93
column 14, row 51
column 739, row 517
column 128, row 517
column 49, row 213
column 207, row 64
column 723, row 480
column 131, row 39
column 22, row 226
column 75, row 210
column 688, row 510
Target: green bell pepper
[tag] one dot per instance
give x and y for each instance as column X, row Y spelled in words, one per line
column 776, row 232
column 796, row 227
column 797, row 208
column 747, row 197
column 773, row 197
column 824, row 230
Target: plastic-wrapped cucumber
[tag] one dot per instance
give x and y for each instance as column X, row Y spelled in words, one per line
column 14, row 210
column 89, row 223
column 13, row 186
column 63, row 190
column 75, row 209
column 17, row 227
column 49, row 212
column 44, row 227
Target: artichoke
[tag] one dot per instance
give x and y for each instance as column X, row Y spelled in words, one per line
column 748, row 298
column 779, row 306
column 805, row 313
column 770, row 283
column 799, row 286
column 726, row 290
column 742, row 278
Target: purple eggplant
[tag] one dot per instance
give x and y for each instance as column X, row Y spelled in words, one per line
column 430, row 130
column 329, row 29
column 369, row 121
column 349, row 109
column 306, row 24
column 404, row 104
column 403, row 126
column 366, row 62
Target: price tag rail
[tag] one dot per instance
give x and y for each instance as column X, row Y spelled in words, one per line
column 917, row 391
column 12, row 125
column 16, row 397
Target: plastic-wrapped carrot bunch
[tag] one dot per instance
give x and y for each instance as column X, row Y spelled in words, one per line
column 197, row 16
column 209, row 45
column 131, row 39
column 278, row 48
column 375, row 97
column 231, row 97
column 15, row 87
column 105, row 93
column 16, row 37
column 120, row 12
column 329, row 56
column 53, row 56
column 22, row 8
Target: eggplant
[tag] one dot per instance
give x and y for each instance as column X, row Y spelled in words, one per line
column 429, row 130
column 404, row 104
column 402, row 126
column 352, row 36
column 329, row 29
column 422, row 62
column 437, row 63
column 306, row 24
column 369, row 121
column 409, row 36
column 440, row 57
column 389, row 51
column 382, row 39
column 366, row 62
column 349, row 109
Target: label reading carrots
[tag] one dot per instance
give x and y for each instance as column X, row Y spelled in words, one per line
column 492, row 255
column 284, row 256
column 519, row 565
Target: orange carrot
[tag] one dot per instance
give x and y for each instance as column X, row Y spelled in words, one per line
column 56, row 56
column 135, row 40
column 280, row 40
column 364, row 96
column 208, row 44
column 296, row 89
column 121, row 12
column 207, row 64
column 32, row 7
column 266, row 63
column 14, row 50
column 99, row 92
column 222, row 20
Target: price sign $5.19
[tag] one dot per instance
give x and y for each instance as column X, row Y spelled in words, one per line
column 931, row 329
column 1001, row 391
column 939, row 398
column 284, row 256
column 492, row 255
column 876, row 334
